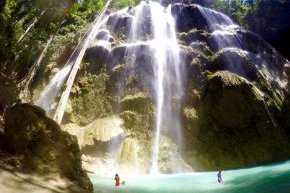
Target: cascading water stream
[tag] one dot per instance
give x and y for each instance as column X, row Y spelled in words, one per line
column 49, row 93
column 226, row 37
column 159, row 35
column 142, row 56
column 166, row 57
column 224, row 33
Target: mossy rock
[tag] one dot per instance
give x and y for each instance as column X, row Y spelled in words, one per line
column 97, row 56
column 136, row 124
column 139, row 102
column 103, row 130
column 133, row 156
column 191, row 36
column 90, row 99
column 235, row 60
column 120, row 24
column 128, row 152
column 202, row 46
column 169, row 155
column 234, row 128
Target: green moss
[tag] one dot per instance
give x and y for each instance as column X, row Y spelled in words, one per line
column 190, row 113
column 193, row 30
column 137, row 124
column 119, row 68
column 128, row 152
column 102, row 130
column 225, row 78
column 233, row 128
column 139, row 102
column 89, row 100
column 257, row 93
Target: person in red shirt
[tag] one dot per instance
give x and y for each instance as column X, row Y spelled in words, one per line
column 117, row 179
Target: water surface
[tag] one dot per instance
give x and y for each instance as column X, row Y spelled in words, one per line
column 273, row 178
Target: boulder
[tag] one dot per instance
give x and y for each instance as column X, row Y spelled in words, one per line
column 8, row 94
column 45, row 147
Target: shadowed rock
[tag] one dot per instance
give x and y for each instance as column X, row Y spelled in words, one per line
column 46, row 148
column 188, row 17
column 234, row 128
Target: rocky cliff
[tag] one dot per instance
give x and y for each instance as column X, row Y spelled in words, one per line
column 233, row 109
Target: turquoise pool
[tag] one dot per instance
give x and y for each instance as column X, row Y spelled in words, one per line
column 264, row 179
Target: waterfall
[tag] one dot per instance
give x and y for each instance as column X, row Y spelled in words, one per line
column 166, row 52
column 226, row 36
column 224, row 31
column 65, row 96
column 47, row 97
column 152, row 27
column 165, row 85
column 269, row 113
column 138, row 49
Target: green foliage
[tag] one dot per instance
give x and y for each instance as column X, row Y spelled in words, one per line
column 90, row 99
column 66, row 19
column 124, row 3
column 243, row 11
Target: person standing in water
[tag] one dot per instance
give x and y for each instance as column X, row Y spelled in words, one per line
column 219, row 176
column 117, row 179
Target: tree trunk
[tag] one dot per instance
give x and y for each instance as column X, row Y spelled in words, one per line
column 32, row 25
column 27, row 79
column 65, row 96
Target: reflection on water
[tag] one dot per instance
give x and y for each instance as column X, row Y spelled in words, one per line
column 264, row 179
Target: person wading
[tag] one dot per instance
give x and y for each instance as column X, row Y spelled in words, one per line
column 219, row 177
column 117, row 179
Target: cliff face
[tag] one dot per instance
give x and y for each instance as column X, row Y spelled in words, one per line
column 43, row 147
column 233, row 126
column 231, row 109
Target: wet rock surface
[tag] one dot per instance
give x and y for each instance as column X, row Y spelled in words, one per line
column 234, row 129
column 233, row 108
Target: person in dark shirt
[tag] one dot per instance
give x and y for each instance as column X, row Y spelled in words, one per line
column 219, row 177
